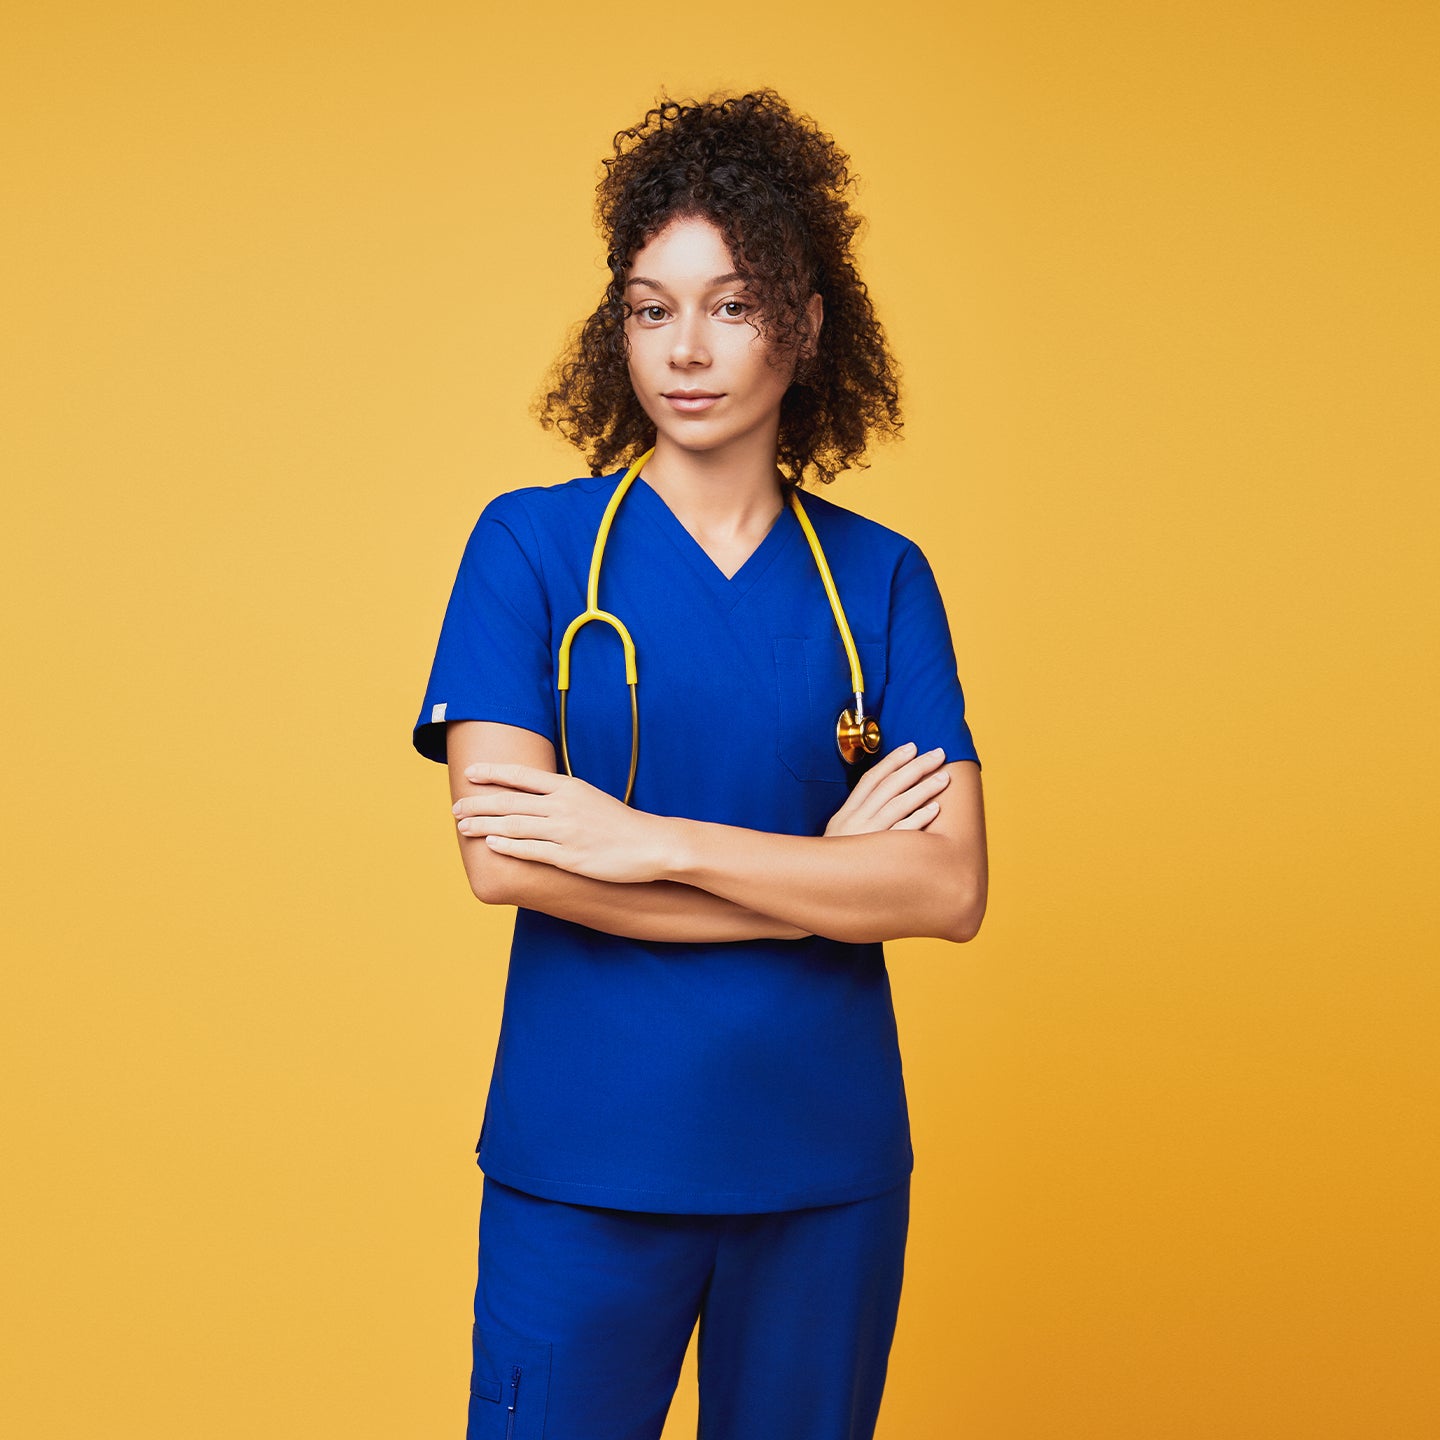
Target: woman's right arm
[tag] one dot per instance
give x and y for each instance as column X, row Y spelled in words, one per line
column 893, row 795
column 661, row 910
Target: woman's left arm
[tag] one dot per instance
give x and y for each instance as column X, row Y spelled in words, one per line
column 856, row 888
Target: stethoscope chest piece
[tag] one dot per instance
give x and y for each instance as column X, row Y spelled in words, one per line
column 857, row 734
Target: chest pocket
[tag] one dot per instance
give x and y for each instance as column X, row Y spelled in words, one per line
column 812, row 682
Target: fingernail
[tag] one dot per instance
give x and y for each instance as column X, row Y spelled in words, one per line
column 455, row 808
column 465, row 827
column 939, row 750
column 908, row 745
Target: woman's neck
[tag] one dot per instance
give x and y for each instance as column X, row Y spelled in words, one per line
column 724, row 495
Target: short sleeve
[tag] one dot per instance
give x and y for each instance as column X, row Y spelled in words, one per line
column 924, row 702
column 493, row 660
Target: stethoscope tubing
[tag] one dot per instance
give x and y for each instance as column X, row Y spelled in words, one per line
column 856, row 722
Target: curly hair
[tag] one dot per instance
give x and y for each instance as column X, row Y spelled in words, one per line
column 776, row 186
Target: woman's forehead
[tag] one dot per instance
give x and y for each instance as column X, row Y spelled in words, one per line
column 690, row 247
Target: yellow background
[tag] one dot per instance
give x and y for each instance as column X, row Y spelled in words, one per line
column 280, row 283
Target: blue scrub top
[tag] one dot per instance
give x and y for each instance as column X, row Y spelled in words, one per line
column 687, row 1077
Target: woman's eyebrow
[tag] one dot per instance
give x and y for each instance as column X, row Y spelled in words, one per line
column 656, row 285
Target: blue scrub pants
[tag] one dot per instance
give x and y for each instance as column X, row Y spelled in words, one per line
column 582, row 1317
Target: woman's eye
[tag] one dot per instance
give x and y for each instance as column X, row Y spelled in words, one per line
column 733, row 309
column 653, row 313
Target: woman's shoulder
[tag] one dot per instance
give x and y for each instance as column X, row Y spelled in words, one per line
column 848, row 530
column 563, row 497
column 537, row 514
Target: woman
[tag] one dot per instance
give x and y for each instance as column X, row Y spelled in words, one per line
column 697, row 1108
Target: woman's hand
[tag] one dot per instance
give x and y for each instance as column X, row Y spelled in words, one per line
column 896, row 794
column 558, row 820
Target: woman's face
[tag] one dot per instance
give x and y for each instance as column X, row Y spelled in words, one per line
column 701, row 369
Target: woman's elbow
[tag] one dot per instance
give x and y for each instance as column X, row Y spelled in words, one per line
column 487, row 887
column 966, row 926
column 966, row 911
column 494, row 879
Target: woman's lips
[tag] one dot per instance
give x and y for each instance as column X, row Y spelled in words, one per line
column 691, row 403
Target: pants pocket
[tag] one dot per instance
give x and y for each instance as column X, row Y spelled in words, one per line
column 509, row 1387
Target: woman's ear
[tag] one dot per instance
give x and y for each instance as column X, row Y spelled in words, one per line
column 814, row 319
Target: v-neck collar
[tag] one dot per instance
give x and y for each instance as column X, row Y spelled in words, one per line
column 730, row 590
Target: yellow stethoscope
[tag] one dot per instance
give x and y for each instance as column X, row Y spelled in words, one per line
column 856, row 733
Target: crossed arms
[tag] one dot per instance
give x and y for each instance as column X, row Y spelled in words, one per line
column 905, row 855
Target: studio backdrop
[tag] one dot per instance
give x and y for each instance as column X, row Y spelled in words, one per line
column 281, row 281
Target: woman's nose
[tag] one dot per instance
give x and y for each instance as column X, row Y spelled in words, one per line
column 687, row 342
